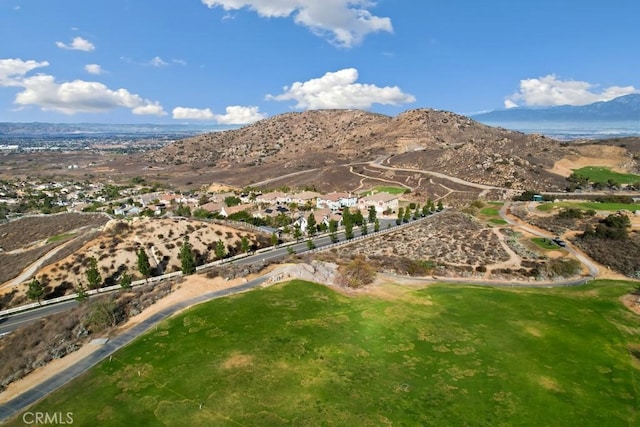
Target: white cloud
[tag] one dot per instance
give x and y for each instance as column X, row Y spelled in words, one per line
column 12, row 71
column 192, row 113
column 80, row 96
column 345, row 22
column 78, row 43
column 179, row 61
column 235, row 115
column 93, row 69
column 510, row 104
column 238, row 115
column 340, row 90
column 551, row 91
column 158, row 62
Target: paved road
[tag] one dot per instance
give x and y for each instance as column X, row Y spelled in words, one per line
column 15, row 321
column 22, row 401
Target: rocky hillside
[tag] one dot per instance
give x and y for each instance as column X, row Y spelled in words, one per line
column 422, row 138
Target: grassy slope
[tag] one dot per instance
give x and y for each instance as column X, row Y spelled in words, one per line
column 602, row 174
column 544, row 243
column 596, row 206
column 300, row 354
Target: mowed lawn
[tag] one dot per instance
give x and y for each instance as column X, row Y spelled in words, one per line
column 596, row 206
column 602, row 174
column 301, row 354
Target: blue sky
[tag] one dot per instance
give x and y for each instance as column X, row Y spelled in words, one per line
column 236, row 61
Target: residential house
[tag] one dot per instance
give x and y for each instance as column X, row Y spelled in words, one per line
column 225, row 211
column 305, row 197
column 381, row 201
column 325, row 215
column 274, row 198
column 336, row 201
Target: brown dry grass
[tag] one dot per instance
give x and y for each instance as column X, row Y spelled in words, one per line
column 115, row 250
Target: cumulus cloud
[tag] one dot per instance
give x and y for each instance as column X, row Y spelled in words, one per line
column 93, row 69
column 551, row 91
column 80, row 96
column 235, row 115
column 340, row 90
column 344, row 22
column 192, row 113
column 12, row 71
column 238, row 115
column 78, row 43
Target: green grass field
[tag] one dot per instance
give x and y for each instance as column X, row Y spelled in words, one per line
column 60, row 237
column 596, row 206
column 300, row 354
column 490, row 211
column 390, row 190
column 602, row 174
column 544, row 243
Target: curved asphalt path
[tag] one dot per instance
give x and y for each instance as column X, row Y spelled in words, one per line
column 19, row 403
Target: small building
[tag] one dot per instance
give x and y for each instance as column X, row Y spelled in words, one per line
column 336, row 201
column 380, row 201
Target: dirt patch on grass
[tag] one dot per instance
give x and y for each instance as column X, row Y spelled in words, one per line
column 238, row 360
column 549, row 383
column 632, row 302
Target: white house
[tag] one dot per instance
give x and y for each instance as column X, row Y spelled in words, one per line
column 336, row 201
column 381, row 201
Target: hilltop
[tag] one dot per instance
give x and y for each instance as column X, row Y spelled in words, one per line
column 328, row 140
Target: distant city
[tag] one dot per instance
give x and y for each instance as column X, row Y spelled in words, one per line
column 127, row 137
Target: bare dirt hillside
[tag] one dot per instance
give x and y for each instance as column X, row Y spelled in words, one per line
column 115, row 249
column 325, row 139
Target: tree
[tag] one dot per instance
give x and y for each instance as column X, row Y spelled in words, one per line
column 187, row 261
column 93, row 275
column 35, row 291
column 81, row 292
column 364, row 230
column 297, row 233
column 358, row 218
column 440, row 205
column 244, row 244
column 333, row 230
column 400, row 216
column 358, row 273
column 311, row 225
column 183, row 210
column 274, row 239
column 372, row 214
column 376, row 225
column 143, row 263
column 232, row 201
column 425, row 210
column 310, row 244
column 125, row 280
column 407, row 215
column 220, row 249
column 416, row 213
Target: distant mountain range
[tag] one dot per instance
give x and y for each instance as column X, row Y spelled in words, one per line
column 623, row 108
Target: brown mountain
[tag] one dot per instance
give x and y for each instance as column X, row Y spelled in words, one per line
column 352, row 149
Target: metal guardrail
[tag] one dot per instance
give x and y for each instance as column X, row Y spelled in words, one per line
column 162, row 277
